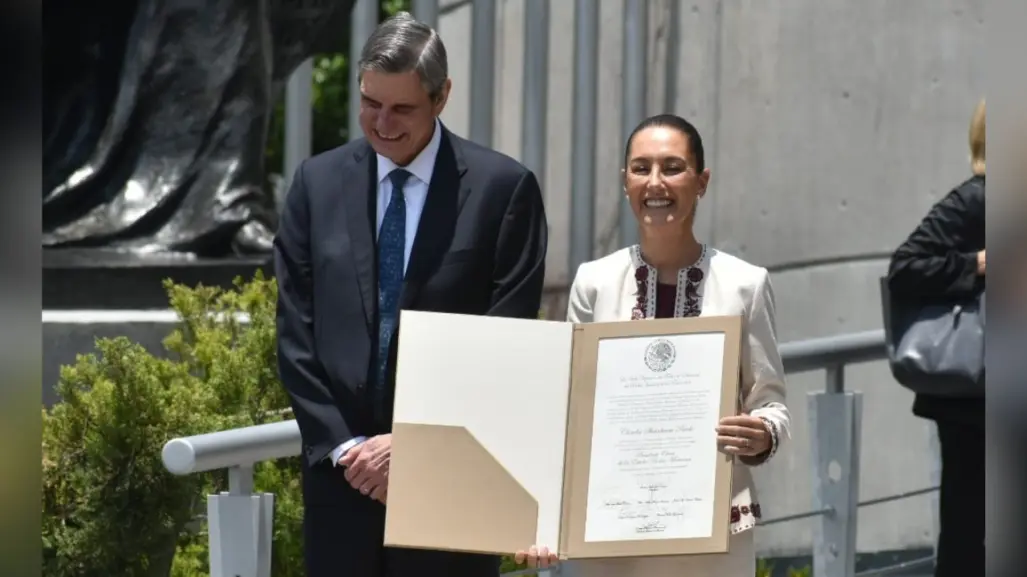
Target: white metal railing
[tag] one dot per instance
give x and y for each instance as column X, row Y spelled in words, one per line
column 240, row 520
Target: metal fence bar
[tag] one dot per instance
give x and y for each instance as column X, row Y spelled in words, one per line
column 796, row 516
column 867, row 503
column 298, row 122
column 365, row 19
column 483, row 70
column 835, row 382
column 672, row 66
column 898, row 496
column 426, row 11
column 816, row 354
column 535, row 103
column 226, row 449
column 635, row 79
column 583, row 140
column 922, row 563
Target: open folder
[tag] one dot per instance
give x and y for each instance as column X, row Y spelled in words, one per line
column 594, row 439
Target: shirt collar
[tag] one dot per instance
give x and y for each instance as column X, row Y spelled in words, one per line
column 423, row 164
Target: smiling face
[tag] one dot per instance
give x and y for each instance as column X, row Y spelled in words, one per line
column 661, row 178
column 397, row 114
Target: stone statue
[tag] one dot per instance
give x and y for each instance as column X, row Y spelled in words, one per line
column 156, row 114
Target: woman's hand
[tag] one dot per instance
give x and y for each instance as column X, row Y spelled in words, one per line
column 537, row 557
column 743, row 435
column 982, row 263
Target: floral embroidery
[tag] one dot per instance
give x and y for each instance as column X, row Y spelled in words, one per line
column 774, row 439
column 688, row 301
column 752, row 508
column 641, row 276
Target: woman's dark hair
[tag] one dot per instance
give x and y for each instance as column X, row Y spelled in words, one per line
column 677, row 123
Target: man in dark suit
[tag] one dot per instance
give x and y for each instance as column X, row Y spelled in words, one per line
column 409, row 217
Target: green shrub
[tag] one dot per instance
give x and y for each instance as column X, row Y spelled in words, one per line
column 109, row 506
column 765, row 569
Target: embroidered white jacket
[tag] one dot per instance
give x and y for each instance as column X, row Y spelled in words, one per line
column 606, row 290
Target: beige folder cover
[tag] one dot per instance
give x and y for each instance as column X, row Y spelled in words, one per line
column 492, row 434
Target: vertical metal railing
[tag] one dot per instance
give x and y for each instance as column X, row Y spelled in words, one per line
column 299, row 118
column 536, row 88
column 426, row 11
column 672, row 62
column 635, row 67
column 483, row 70
column 583, row 130
column 364, row 20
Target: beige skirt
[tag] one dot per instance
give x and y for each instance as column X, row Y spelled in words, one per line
column 740, row 561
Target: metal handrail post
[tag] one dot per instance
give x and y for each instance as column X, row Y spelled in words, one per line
column 835, row 423
column 240, row 525
column 836, row 379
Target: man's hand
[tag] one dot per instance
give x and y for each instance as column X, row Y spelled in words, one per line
column 367, row 466
column 981, row 262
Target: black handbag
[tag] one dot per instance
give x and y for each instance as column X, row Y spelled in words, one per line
column 936, row 349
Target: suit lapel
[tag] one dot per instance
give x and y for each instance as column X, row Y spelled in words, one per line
column 359, row 195
column 446, row 195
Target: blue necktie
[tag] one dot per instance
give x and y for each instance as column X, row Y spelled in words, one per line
column 391, row 248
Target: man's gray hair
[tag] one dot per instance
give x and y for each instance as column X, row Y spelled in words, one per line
column 401, row 44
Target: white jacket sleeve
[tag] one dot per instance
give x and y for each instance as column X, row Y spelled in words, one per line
column 763, row 374
column 582, row 297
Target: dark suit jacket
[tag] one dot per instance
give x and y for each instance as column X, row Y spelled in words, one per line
column 938, row 262
column 480, row 249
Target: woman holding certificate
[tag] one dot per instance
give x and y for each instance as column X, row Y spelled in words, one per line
column 672, row 274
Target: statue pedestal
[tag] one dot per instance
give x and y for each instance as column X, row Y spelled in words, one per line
column 91, row 293
column 98, row 279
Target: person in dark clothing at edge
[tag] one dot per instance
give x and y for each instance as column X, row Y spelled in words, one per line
column 944, row 260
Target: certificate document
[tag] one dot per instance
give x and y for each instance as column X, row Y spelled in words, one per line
column 597, row 439
column 654, row 454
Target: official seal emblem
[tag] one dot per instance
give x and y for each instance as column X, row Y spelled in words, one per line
column 660, row 355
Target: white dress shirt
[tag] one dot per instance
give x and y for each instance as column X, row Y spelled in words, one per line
column 415, row 192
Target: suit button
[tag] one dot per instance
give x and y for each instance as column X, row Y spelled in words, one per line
column 309, row 449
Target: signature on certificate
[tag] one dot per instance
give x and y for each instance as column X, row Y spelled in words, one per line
column 651, row 527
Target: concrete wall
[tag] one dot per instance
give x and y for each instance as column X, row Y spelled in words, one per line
column 830, row 127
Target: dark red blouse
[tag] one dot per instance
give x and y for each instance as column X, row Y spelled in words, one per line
column 666, row 295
